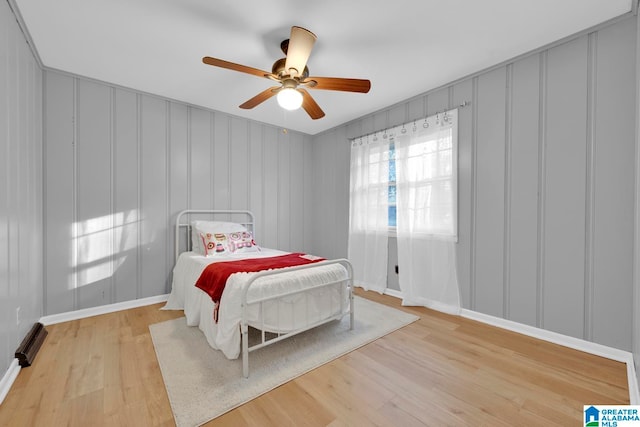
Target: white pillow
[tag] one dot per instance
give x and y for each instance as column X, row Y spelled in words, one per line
column 198, row 227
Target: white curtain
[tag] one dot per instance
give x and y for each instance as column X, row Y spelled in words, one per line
column 426, row 163
column 368, row 210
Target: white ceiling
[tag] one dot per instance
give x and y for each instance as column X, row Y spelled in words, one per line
column 405, row 47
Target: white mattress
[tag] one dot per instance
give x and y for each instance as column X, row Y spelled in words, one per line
column 282, row 315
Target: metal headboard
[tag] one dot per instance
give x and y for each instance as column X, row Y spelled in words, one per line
column 184, row 218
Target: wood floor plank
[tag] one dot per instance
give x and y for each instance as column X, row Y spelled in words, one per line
column 441, row 370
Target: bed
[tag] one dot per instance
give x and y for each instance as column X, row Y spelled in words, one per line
column 278, row 302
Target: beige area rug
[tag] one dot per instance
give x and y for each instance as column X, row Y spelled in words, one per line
column 203, row 384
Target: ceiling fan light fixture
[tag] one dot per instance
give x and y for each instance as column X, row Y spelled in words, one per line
column 289, row 99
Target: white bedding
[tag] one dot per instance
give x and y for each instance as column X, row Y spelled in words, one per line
column 282, row 315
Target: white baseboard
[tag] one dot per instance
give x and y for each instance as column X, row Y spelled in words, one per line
column 545, row 335
column 566, row 341
column 103, row 309
column 556, row 338
column 7, row 380
column 393, row 293
column 634, row 393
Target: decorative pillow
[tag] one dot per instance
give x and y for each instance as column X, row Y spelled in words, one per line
column 242, row 241
column 228, row 243
column 211, row 227
column 215, row 243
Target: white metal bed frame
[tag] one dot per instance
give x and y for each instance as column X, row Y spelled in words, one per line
column 183, row 220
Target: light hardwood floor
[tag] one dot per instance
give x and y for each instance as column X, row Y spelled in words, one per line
column 441, row 370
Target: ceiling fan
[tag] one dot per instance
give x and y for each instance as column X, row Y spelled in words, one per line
column 292, row 74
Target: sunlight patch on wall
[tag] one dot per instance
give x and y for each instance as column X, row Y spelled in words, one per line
column 101, row 245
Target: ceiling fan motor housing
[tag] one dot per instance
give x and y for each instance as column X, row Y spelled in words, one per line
column 279, row 70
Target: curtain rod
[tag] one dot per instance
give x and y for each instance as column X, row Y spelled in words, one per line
column 462, row 105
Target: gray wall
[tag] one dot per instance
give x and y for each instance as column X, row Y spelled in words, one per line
column 20, row 187
column 119, row 165
column 546, row 185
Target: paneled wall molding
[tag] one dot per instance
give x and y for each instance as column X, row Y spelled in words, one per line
column 542, row 144
column 168, row 220
column 74, row 201
column 474, row 191
column 188, row 136
column 590, row 180
column 112, row 186
column 138, row 195
column 508, row 135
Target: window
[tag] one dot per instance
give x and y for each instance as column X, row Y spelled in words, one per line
column 407, row 174
column 426, row 181
column 369, row 187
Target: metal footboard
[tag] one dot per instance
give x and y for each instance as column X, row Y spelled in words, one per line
column 346, row 285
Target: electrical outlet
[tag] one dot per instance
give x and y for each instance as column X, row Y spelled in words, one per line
column 18, row 316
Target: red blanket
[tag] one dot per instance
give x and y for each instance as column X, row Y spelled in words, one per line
column 214, row 277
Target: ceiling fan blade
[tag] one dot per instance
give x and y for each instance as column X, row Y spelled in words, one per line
column 337, row 83
column 301, row 42
column 235, row 67
column 310, row 105
column 260, row 98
